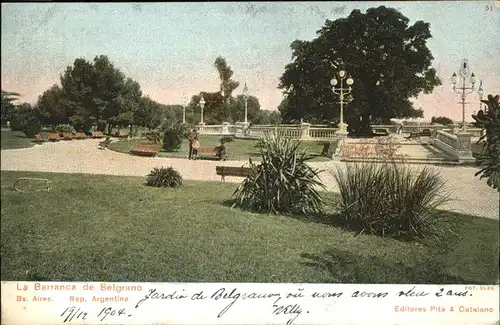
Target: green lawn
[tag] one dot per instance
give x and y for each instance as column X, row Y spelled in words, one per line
column 238, row 149
column 17, row 140
column 94, row 228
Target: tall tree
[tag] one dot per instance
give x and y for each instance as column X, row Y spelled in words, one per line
column 227, row 85
column 51, row 107
column 237, row 108
column 387, row 58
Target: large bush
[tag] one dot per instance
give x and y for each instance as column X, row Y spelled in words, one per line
column 172, row 139
column 164, row 177
column 489, row 158
column 388, row 199
column 65, row 128
column 442, row 120
column 282, row 182
column 153, row 136
column 25, row 119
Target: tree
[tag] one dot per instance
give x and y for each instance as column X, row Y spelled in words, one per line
column 26, row 119
column 442, row 120
column 266, row 117
column 237, row 109
column 51, row 107
column 8, row 107
column 227, row 85
column 489, row 158
column 387, row 58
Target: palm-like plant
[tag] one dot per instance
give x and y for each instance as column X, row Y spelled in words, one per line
column 282, row 182
column 227, row 85
column 489, row 158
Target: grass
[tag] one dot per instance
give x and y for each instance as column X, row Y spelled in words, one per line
column 238, row 149
column 17, row 140
column 94, row 228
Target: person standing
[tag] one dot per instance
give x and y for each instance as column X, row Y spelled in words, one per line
column 196, row 145
column 191, row 138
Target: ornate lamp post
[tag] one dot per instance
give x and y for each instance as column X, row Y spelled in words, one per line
column 202, row 104
column 464, row 73
column 342, row 91
column 480, row 91
column 245, row 97
column 184, row 103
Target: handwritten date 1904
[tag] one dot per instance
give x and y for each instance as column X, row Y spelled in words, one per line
column 74, row 313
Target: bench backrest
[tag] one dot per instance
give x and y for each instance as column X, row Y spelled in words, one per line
column 54, row 136
column 81, row 135
column 97, row 134
column 146, row 148
column 206, row 149
column 232, row 171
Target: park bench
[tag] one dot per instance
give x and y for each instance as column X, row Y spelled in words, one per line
column 104, row 144
column 380, row 132
column 97, row 134
column 146, row 149
column 218, row 152
column 53, row 137
column 121, row 134
column 413, row 135
column 80, row 135
column 224, row 171
column 39, row 138
column 67, row 136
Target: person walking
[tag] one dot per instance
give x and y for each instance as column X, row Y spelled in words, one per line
column 191, row 138
column 196, row 145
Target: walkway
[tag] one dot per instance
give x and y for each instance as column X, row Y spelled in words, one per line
column 470, row 195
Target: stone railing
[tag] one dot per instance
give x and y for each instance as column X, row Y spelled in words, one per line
column 458, row 146
column 303, row 131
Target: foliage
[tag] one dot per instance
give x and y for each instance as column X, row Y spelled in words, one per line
column 489, row 158
column 388, row 59
column 442, row 120
column 389, row 200
column 172, row 138
column 8, row 107
column 164, row 177
column 25, row 119
column 65, row 128
column 282, row 182
column 227, row 85
column 153, row 136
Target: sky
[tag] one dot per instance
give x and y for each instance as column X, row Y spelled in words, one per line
column 170, row 48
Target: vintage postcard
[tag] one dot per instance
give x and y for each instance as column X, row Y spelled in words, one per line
column 250, row 163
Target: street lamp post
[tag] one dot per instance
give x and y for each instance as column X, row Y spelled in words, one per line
column 202, row 104
column 342, row 91
column 463, row 90
column 184, row 103
column 480, row 91
column 245, row 97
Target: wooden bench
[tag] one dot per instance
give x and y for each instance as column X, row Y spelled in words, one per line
column 97, row 134
column 67, row 136
column 39, row 138
column 80, row 135
column 53, row 137
column 121, row 134
column 224, row 171
column 146, row 150
column 381, row 132
column 217, row 152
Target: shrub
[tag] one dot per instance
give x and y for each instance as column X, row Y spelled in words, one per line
column 282, row 182
column 26, row 120
column 62, row 128
column 153, row 136
column 489, row 158
column 172, row 139
column 442, row 120
column 389, row 200
column 164, row 177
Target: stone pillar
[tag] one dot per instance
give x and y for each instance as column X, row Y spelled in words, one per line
column 225, row 127
column 463, row 146
column 304, row 131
